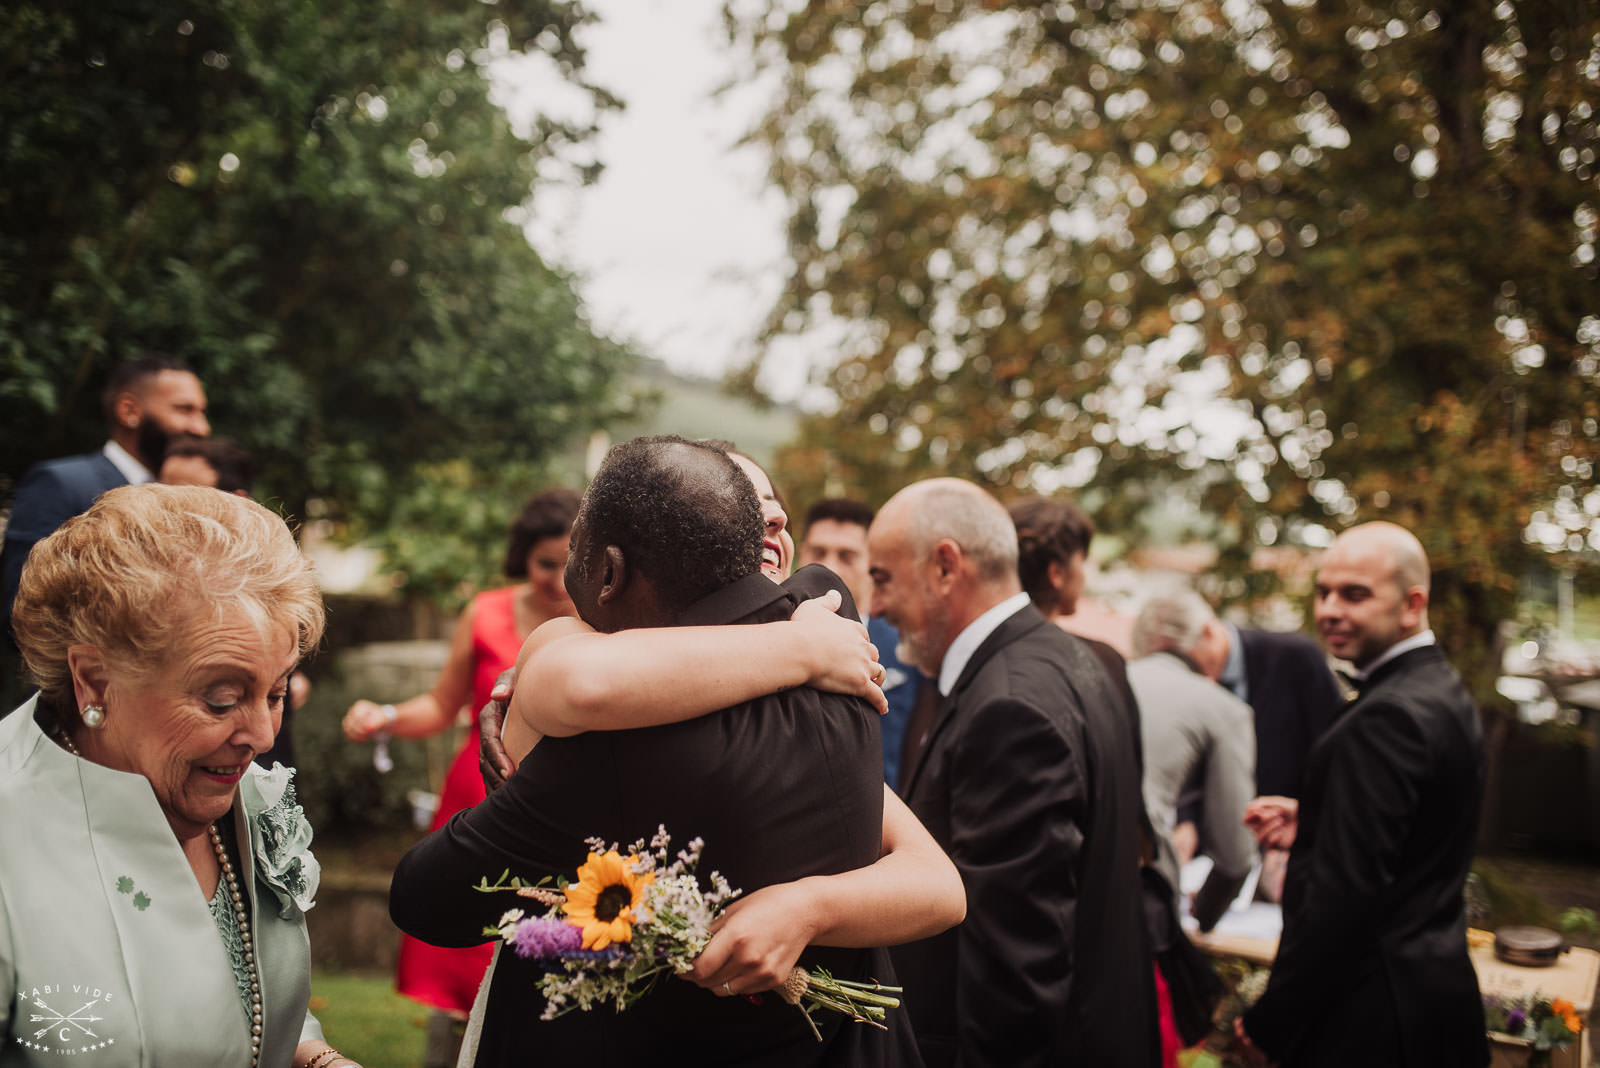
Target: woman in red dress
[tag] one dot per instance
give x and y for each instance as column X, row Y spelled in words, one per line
column 487, row 639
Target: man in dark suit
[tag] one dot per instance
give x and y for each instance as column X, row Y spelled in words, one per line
column 1286, row 681
column 1293, row 698
column 783, row 787
column 836, row 538
column 1372, row 965
column 147, row 401
column 1028, row 777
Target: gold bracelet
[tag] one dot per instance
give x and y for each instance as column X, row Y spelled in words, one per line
column 324, row 1057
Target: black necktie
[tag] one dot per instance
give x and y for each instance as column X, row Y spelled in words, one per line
column 923, row 712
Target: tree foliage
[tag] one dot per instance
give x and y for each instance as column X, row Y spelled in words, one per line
column 1305, row 263
column 316, row 204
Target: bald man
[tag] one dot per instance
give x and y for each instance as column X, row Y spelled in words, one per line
column 1028, row 776
column 1372, row 966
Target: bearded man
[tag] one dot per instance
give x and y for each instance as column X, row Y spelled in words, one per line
column 147, row 402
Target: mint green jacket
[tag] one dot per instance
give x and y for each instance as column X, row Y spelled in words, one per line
column 108, row 953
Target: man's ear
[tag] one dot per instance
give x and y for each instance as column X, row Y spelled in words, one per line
column 1413, row 606
column 1057, row 573
column 946, row 562
column 614, row 575
column 126, row 410
column 89, row 679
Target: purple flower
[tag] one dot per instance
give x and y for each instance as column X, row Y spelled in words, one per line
column 544, row 938
column 1514, row 1020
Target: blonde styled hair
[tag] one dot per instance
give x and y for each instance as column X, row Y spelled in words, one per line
column 134, row 574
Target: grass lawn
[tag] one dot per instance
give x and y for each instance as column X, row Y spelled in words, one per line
column 364, row 1018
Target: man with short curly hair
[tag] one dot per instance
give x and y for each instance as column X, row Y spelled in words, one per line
column 781, row 787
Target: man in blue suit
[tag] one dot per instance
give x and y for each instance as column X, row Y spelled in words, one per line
column 836, row 538
column 147, row 401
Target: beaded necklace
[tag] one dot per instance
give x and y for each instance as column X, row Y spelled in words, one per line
column 241, row 913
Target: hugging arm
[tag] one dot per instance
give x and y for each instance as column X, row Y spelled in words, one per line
column 912, row 891
column 571, row 678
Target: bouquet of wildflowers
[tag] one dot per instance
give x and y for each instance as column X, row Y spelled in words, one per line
column 627, row 919
column 1545, row 1023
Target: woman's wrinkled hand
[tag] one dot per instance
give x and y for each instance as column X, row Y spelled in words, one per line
column 843, row 658
column 756, row 941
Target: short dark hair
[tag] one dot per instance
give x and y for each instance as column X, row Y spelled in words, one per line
column 1049, row 530
column 131, row 374
column 690, row 522
column 544, row 515
column 840, row 510
column 235, row 468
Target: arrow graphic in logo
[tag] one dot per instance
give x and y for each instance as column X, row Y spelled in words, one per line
column 52, row 1019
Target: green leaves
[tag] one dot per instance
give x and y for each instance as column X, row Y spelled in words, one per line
column 307, row 202
column 1289, row 266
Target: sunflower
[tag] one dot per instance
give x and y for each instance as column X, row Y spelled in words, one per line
column 603, row 899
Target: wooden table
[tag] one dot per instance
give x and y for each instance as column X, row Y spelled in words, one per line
column 1573, row 977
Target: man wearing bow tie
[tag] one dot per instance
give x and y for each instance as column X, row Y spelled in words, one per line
column 1373, row 959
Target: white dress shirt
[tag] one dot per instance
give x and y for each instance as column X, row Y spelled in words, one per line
column 967, row 642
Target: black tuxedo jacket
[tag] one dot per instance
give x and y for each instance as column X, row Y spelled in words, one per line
column 1372, row 966
column 780, row 788
column 1029, row 779
column 1295, row 700
column 48, row 495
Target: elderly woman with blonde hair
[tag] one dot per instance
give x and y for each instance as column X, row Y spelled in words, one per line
column 152, row 902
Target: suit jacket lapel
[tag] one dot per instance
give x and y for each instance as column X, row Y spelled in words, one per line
column 734, row 602
column 1388, row 671
column 1019, row 624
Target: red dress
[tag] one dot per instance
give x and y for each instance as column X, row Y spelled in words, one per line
column 448, row 978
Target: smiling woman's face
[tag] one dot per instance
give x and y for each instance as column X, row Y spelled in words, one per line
column 193, row 727
column 547, row 568
column 777, row 554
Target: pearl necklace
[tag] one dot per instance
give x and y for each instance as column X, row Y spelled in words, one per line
column 242, row 915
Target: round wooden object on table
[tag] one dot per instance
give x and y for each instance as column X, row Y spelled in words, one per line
column 1530, row 947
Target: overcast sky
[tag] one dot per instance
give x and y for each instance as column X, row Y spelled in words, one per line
column 679, row 247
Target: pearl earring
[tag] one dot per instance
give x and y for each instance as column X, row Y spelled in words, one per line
column 94, row 716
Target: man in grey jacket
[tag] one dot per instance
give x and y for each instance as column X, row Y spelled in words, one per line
column 1193, row 727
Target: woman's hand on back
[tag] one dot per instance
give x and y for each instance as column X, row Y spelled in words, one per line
column 842, row 657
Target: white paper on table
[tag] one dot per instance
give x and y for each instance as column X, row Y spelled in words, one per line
column 1245, row 917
